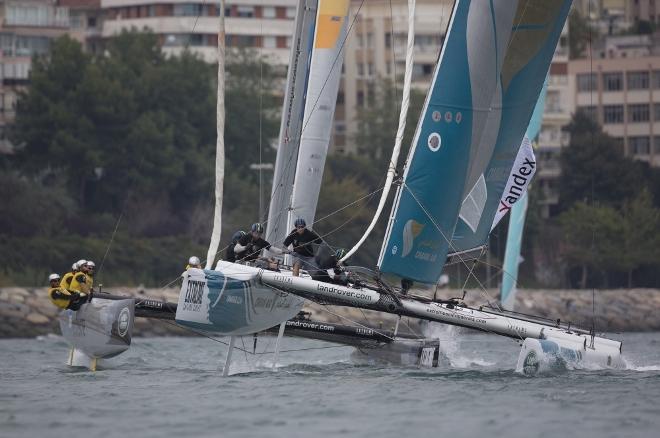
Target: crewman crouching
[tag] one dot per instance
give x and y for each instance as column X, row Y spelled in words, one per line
column 63, row 298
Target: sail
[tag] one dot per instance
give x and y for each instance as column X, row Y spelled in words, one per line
column 454, row 115
column 322, row 88
column 292, row 121
column 538, row 26
column 517, row 217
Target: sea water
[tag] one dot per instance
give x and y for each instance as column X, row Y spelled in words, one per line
column 173, row 387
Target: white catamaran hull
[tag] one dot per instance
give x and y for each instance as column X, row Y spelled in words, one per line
column 230, row 301
column 601, row 351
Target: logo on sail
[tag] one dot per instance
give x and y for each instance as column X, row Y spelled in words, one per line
column 434, row 141
column 411, row 230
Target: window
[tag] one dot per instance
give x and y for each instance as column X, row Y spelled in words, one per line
column 370, row 40
column 245, row 11
column 639, row 145
column 91, row 22
column 370, row 69
column 360, row 69
column 656, row 79
column 268, row 12
column 586, row 82
column 638, row 113
column 187, row 10
column 612, row 114
column 656, row 144
column 244, row 41
column 290, row 12
column 590, row 111
column 388, row 40
column 613, row 81
column 638, row 80
column 656, row 111
column 270, row 42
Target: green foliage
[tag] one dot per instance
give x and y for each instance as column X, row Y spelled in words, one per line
column 580, row 33
column 127, row 139
column 594, row 167
column 377, row 123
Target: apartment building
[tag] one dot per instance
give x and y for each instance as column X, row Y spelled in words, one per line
column 376, row 49
column 263, row 24
column 623, row 95
column 85, row 22
column 552, row 138
column 27, row 28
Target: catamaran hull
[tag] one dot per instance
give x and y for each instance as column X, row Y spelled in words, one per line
column 231, row 301
column 546, row 356
column 100, row 329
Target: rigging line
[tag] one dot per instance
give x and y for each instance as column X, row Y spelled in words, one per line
column 121, row 215
column 261, row 109
column 481, row 286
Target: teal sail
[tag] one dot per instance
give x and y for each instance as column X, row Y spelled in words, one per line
column 517, row 219
column 538, row 26
column 454, row 115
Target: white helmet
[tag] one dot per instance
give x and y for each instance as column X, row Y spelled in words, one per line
column 52, row 277
column 194, row 260
column 74, row 267
column 80, row 263
column 90, row 264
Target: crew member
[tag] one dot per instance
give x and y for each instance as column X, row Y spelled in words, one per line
column 330, row 267
column 194, row 262
column 250, row 245
column 302, row 239
column 63, row 298
column 81, row 282
column 230, row 254
column 65, row 283
column 91, row 266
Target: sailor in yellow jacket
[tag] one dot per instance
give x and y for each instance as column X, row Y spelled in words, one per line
column 65, row 283
column 81, row 281
column 63, row 298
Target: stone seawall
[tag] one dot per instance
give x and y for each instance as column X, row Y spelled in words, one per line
column 27, row 312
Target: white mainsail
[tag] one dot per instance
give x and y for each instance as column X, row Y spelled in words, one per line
column 292, row 122
column 322, row 88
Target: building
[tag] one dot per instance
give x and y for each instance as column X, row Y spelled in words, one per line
column 266, row 25
column 85, row 22
column 376, row 49
column 552, row 138
column 623, row 95
column 27, row 28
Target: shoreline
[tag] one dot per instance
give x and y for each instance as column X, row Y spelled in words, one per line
column 27, row 312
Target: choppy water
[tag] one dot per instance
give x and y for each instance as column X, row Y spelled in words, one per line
column 172, row 387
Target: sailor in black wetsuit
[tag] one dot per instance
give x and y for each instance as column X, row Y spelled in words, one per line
column 230, row 254
column 330, row 268
column 249, row 247
column 303, row 252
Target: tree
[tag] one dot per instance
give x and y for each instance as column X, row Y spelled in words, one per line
column 591, row 233
column 639, row 240
column 595, row 168
column 580, row 34
column 378, row 120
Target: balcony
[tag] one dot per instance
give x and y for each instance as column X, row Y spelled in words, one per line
column 25, row 15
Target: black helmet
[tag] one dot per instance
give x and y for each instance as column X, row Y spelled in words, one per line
column 300, row 222
column 257, row 228
column 237, row 236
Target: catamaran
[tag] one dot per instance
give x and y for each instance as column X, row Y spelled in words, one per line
column 469, row 158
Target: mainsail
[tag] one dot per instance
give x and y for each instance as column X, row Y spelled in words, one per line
column 292, row 121
column 528, row 57
column 322, row 88
column 313, row 84
column 466, row 78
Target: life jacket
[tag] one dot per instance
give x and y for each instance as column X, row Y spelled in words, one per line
column 65, row 282
column 80, row 282
column 60, row 297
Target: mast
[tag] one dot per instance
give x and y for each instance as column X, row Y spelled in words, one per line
column 405, row 102
column 220, row 143
column 292, row 119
